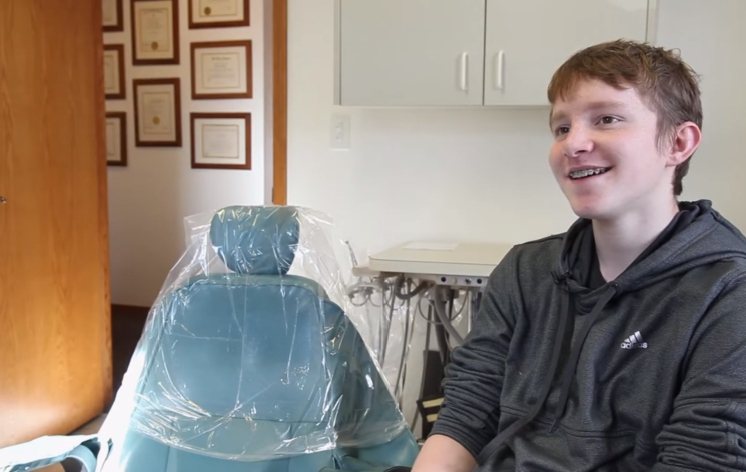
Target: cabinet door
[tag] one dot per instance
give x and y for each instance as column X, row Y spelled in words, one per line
column 410, row 52
column 55, row 354
column 527, row 40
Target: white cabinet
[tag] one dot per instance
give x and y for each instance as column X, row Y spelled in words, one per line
column 468, row 52
column 527, row 40
column 410, row 52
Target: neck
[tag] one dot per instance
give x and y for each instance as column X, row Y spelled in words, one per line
column 619, row 242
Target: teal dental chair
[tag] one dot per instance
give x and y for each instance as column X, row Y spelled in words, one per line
column 250, row 370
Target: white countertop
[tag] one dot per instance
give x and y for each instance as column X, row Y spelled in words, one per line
column 440, row 258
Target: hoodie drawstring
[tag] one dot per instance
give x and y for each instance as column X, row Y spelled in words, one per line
column 491, row 448
column 572, row 365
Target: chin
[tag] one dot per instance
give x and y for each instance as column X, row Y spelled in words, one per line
column 586, row 210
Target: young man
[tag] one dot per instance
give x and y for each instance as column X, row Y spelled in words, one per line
column 621, row 344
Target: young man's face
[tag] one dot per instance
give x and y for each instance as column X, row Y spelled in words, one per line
column 605, row 155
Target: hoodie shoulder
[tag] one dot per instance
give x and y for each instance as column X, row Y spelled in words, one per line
column 544, row 252
column 547, row 239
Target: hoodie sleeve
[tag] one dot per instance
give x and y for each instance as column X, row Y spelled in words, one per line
column 707, row 427
column 474, row 377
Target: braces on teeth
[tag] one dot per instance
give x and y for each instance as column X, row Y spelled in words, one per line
column 586, row 172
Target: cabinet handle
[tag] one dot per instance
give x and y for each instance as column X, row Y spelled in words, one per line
column 464, row 62
column 499, row 69
column 3, row 200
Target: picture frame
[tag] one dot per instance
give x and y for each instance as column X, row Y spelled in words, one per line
column 116, row 138
column 155, row 32
column 220, row 140
column 111, row 15
column 157, row 112
column 218, row 13
column 114, row 71
column 221, row 69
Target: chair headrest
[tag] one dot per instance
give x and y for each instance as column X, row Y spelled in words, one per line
column 256, row 239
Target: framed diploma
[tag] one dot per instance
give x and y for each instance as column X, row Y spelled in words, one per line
column 157, row 112
column 114, row 71
column 218, row 13
column 221, row 69
column 221, row 140
column 155, row 32
column 116, row 138
column 111, row 15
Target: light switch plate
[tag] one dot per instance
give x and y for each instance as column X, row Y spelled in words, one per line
column 340, row 131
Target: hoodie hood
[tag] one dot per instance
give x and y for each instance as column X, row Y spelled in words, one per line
column 698, row 235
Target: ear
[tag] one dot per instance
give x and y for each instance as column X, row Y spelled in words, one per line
column 686, row 139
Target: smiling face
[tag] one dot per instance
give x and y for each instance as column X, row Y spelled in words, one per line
column 605, row 155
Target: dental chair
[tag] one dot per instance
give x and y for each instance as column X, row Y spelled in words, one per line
column 249, row 369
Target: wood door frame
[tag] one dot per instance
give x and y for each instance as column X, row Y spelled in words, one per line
column 279, row 102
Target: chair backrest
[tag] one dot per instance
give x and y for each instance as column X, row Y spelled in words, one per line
column 258, row 365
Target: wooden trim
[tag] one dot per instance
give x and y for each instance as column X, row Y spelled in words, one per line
column 102, row 194
column 279, row 100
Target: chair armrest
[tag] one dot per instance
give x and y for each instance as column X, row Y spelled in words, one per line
column 75, row 453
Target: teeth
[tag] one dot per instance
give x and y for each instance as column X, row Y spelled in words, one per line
column 579, row 174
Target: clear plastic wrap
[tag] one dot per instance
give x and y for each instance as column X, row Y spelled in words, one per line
column 400, row 318
column 248, row 356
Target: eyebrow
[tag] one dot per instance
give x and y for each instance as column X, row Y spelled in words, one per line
column 593, row 106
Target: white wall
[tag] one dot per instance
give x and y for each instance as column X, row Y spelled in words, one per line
column 711, row 36
column 481, row 174
column 149, row 198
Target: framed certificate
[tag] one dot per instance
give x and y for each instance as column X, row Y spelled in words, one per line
column 221, row 69
column 116, row 138
column 111, row 15
column 157, row 112
column 155, row 32
column 114, row 71
column 218, row 13
column 221, row 140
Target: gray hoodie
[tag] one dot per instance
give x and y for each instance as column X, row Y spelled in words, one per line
column 647, row 372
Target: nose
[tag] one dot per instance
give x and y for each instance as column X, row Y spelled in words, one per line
column 577, row 141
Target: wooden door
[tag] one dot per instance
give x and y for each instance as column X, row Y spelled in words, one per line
column 55, row 342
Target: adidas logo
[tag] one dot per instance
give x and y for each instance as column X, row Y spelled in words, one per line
column 634, row 342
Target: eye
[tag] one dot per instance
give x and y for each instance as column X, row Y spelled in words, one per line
column 608, row 120
column 561, row 130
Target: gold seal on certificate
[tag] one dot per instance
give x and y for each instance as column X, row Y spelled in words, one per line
column 218, row 13
column 155, row 32
column 157, row 112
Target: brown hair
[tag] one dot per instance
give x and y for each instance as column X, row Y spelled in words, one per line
column 667, row 84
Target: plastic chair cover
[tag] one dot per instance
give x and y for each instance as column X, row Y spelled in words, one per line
column 248, row 362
